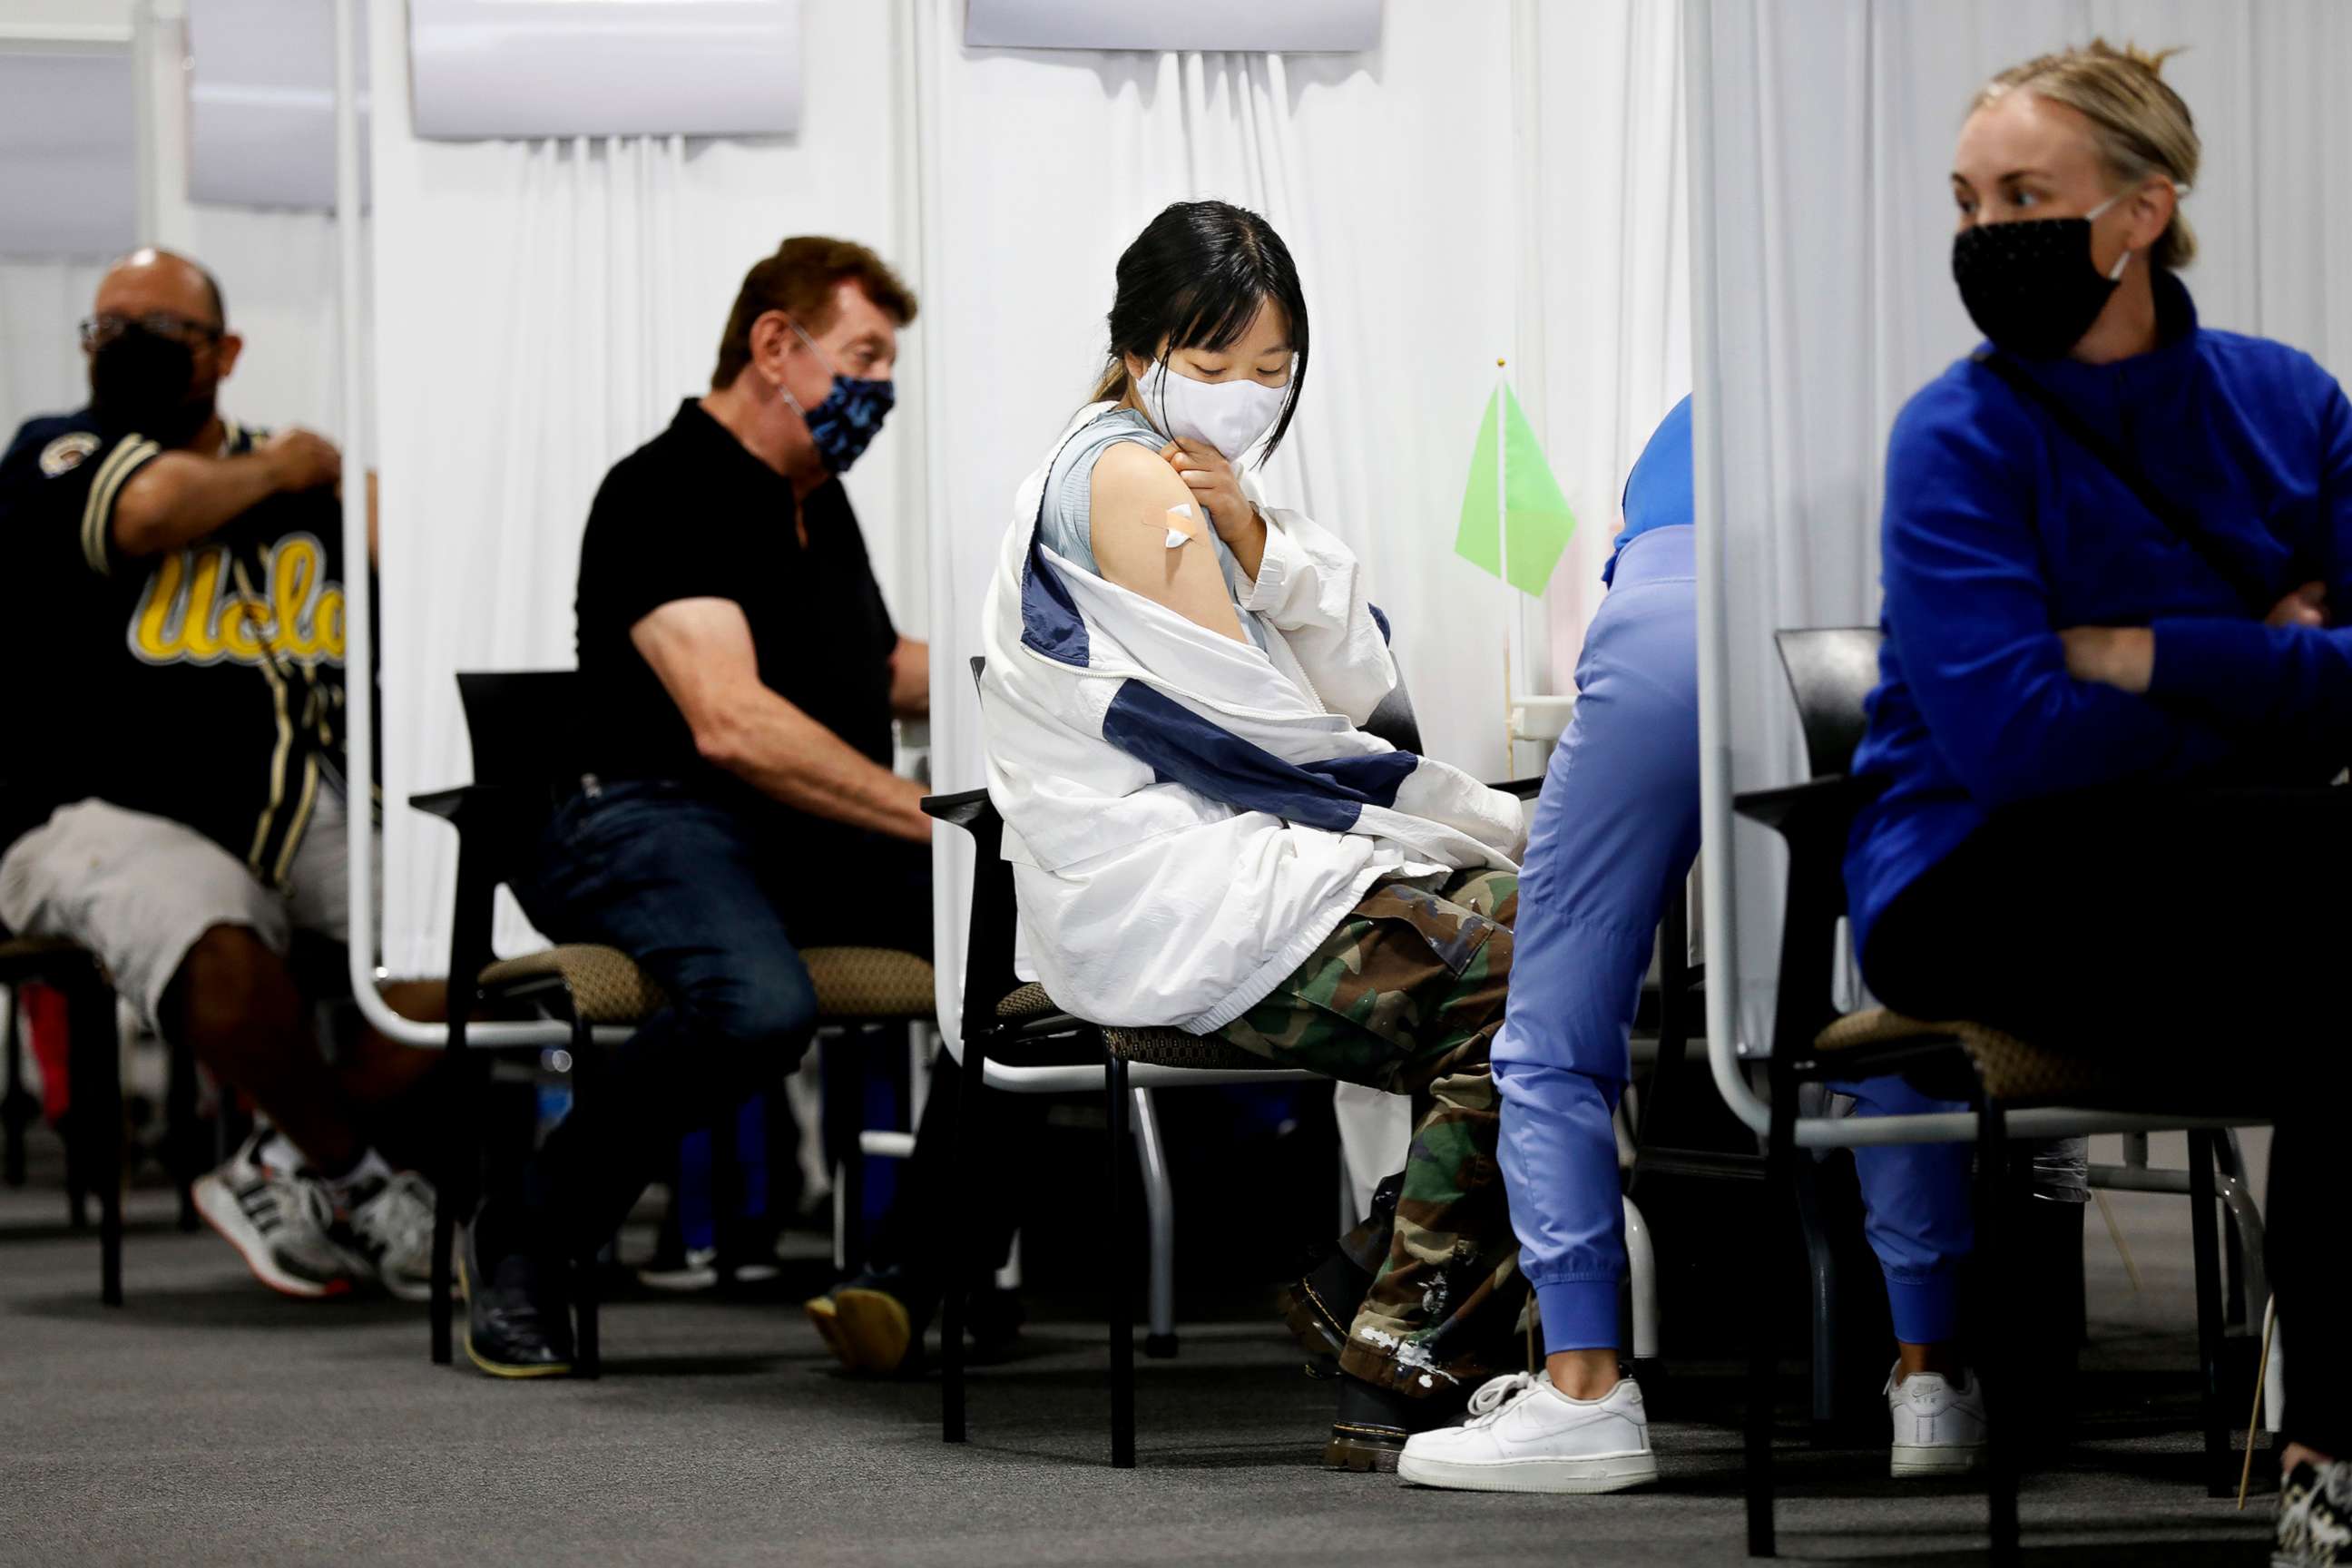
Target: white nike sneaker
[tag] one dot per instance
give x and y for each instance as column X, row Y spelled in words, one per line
column 1939, row 1430
column 278, row 1221
column 1525, row 1436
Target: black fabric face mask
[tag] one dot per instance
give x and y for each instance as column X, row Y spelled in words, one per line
column 145, row 383
column 2029, row 286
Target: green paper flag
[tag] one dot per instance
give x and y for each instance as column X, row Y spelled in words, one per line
column 1540, row 521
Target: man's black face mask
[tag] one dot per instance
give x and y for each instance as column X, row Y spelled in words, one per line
column 144, row 383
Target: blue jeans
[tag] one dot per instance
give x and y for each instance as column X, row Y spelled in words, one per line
column 714, row 900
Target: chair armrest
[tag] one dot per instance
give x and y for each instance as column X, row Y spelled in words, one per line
column 988, row 974
column 1810, row 810
column 1815, row 819
column 966, row 809
column 474, row 808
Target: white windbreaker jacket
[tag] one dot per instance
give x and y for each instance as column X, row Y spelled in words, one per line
column 1188, row 816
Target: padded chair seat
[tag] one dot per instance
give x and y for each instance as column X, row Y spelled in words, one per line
column 1175, row 1048
column 30, row 957
column 1028, row 1000
column 607, row 987
column 606, row 984
column 2014, row 1071
column 871, row 983
column 1157, row 1048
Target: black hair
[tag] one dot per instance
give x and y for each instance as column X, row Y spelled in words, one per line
column 1196, row 276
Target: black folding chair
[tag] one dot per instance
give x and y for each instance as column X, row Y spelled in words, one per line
column 1005, row 1018
column 93, row 1129
column 1831, row 672
column 526, row 730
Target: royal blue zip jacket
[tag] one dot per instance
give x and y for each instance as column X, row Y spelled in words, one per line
column 2000, row 531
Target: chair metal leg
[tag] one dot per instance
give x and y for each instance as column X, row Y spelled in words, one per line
column 97, row 1087
column 1160, row 1220
column 970, row 1087
column 1779, row 1173
column 181, row 1133
column 2205, row 1228
column 587, row 1349
column 444, row 1240
column 1997, row 1363
column 1122, row 1311
column 458, row 1191
column 842, row 1117
column 77, row 1151
column 1642, row 1269
column 589, row 1358
column 1821, row 1276
column 2249, row 1277
column 16, row 1110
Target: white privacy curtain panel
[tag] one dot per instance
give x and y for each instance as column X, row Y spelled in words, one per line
column 1824, row 134
column 41, row 366
column 277, row 269
column 543, row 307
column 1498, row 179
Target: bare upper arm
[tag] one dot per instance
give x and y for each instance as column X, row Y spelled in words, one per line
column 1136, row 499
column 703, row 652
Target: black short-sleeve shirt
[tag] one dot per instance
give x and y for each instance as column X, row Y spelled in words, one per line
column 692, row 514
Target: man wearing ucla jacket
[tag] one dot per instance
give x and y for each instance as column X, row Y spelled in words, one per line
column 173, row 798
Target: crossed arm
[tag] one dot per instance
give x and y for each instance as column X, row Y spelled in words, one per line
column 179, row 497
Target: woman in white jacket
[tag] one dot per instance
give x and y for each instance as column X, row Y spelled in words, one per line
column 1203, row 836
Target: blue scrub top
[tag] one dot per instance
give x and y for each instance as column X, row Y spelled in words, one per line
column 1658, row 490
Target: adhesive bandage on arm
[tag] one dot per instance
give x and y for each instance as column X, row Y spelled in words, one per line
column 1177, row 537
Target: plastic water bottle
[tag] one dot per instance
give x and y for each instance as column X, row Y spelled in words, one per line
column 554, row 1090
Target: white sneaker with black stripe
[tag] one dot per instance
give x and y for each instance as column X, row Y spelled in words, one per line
column 386, row 1223
column 278, row 1222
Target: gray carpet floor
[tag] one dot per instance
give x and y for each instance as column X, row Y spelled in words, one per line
column 210, row 1422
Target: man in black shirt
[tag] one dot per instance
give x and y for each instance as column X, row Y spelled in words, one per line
column 742, row 676
column 172, row 798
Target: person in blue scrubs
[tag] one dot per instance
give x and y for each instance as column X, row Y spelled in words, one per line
column 1614, row 833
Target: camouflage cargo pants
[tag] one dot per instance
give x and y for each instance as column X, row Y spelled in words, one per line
column 1406, row 995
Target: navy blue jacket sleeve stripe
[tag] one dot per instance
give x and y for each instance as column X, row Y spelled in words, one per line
column 1181, row 747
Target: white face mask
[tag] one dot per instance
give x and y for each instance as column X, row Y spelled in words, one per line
column 1230, row 415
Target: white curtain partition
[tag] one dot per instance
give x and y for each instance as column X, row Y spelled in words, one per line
column 277, row 269
column 544, row 306
column 1824, row 134
column 1450, row 203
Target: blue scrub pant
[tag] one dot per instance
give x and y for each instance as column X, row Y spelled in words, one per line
column 1614, row 833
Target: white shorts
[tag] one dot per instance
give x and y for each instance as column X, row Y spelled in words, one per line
column 138, row 890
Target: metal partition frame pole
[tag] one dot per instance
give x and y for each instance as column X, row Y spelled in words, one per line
column 1713, row 666
column 359, row 649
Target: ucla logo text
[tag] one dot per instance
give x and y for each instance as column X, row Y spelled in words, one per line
column 193, row 611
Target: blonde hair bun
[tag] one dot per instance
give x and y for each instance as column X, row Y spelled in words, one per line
column 2142, row 127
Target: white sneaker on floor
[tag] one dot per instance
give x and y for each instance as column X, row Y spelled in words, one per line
column 387, row 1227
column 1525, row 1436
column 278, row 1222
column 1939, row 1430
column 696, row 1269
